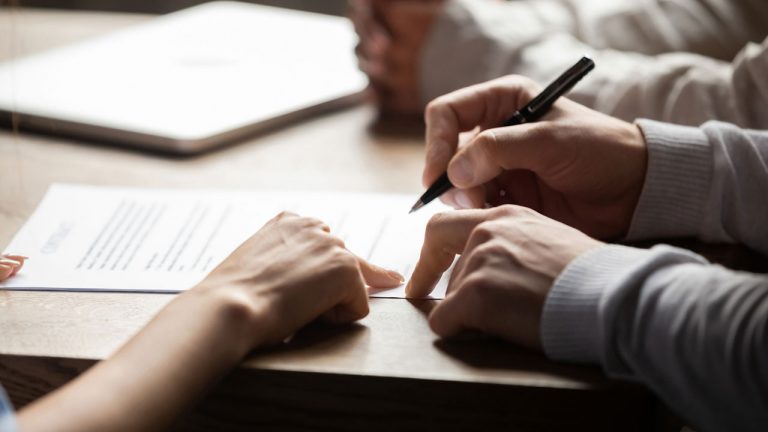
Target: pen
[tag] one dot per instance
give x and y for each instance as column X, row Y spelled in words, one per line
column 532, row 111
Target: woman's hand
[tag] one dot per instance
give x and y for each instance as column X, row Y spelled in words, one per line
column 292, row 271
column 287, row 274
column 10, row 265
column 576, row 165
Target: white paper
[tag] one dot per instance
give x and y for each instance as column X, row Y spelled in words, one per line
column 88, row 238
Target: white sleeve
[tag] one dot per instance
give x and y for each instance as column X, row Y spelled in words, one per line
column 679, row 88
column 474, row 41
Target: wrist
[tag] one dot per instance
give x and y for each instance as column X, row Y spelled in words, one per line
column 236, row 319
column 634, row 170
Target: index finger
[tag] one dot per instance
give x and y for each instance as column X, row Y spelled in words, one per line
column 445, row 236
column 485, row 105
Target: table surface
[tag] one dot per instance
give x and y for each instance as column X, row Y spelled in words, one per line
column 349, row 150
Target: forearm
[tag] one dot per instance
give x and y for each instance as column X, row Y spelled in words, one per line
column 156, row 375
column 495, row 38
column 691, row 331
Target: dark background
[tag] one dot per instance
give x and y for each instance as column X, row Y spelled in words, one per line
column 334, row 7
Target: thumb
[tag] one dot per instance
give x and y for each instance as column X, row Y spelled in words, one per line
column 528, row 146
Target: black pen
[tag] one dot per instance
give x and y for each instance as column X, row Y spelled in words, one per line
column 529, row 113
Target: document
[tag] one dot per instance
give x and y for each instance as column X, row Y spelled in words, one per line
column 90, row 238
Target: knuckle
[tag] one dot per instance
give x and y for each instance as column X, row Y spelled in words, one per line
column 342, row 260
column 487, row 140
column 337, row 242
column 285, row 215
column 310, row 222
column 490, row 249
column 435, row 108
column 482, row 233
column 436, row 221
column 509, row 211
column 476, row 290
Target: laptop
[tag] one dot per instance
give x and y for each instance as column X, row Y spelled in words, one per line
column 188, row 81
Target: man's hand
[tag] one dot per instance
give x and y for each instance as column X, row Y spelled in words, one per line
column 510, row 257
column 392, row 34
column 293, row 271
column 576, row 165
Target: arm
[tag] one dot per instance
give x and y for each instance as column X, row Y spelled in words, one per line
column 680, row 88
column 528, row 38
column 289, row 273
column 692, row 332
column 600, row 174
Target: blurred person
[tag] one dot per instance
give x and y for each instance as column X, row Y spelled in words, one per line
column 680, row 61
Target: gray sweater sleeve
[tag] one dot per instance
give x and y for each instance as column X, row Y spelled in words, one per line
column 695, row 333
column 709, row 182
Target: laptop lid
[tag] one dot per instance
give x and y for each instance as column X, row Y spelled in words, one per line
column 188, row 81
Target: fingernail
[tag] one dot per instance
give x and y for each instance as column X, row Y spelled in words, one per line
column 462, row 199
column 395, row 275
column 460, row 171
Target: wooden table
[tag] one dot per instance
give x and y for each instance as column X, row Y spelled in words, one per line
column 389, row 371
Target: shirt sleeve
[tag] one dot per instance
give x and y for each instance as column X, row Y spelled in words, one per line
column 7, row 417
column 681, row 88
column 694, row 333
column 709, row 183
column 700, row 81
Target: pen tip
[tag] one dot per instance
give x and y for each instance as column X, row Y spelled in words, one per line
column 419, row 204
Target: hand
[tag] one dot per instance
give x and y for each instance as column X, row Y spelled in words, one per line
column 293, row 271
column 284, row 276
column 392, row 34
column 10, row 265
column 510, row 257
column 576, row 165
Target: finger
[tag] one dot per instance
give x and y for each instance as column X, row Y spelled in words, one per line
column 528, row 147
column 485, row 105
column 456, row 271
column 449, row 317
column 378, row 277
column 445, row 236
column 20, row 259
column 470, row 198
column 15, row 265
column 5, row 271
column 354, row 304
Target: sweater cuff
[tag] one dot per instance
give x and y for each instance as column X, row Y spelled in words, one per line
column 570, row 322
column 677, row 182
